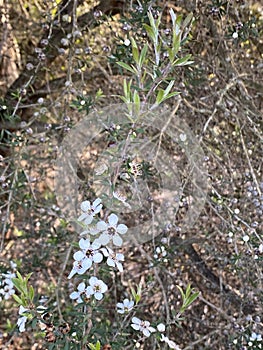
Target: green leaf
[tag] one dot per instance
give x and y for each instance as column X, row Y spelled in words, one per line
column 150, row 32
column 168, row 89
column 19, row 285
column 192, row 298
column 126, row 66
column 152, row 21
column 31, row 293
column 183, row 61
column 18, row 300
column 143, row 55
column 176, row 42
column 137, row 102
column 175, row 93
column 159, row 97
column 187, row 20
column 135, row 51
column 94, row 347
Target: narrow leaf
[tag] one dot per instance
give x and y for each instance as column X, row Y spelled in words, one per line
column 126, row 66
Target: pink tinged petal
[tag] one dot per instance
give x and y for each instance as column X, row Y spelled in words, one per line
column 113, row 219
column 78, row 256
column 84, row 243
column 98, row 295
column 122, row 229
column 104, row 239
column 102, row 226
column 97, row 258
column 117, row 240
column 85, row 206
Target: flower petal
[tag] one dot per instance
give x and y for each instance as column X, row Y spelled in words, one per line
column 117, row 240
column 98, row 295
column 102, row 226
column 136, row 320
column 85, row 206
column 96, row 202
column 122, row 229
column 103, row 239
column 81, row 287
column 110, row 262
column 88, row 219
column 84, row 243
column 74, row 295
column 135, row 326
column 78, row 256
column 97, row 258
column 113, row 219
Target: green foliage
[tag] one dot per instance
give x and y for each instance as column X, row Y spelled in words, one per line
column 188, row 297
column 26, row 291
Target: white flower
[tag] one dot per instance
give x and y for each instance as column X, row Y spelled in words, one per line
column 97, row 288
column 113, row 259
column 235, row 35
column 111, row 231
column 161, row 327
column 127, row 42
column 80, row 267
column 246, row 238
column 7, row 285
column 143, row 326
column 89, row 211
column 126, row 306
column 255, row 337
column 89, row 252
column 81, row 292
column 169, row 342
column 160, row 252
column 21, row 322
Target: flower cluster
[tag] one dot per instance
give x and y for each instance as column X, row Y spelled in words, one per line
column 94, row 248
column 146, row 328
column 6, row 284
